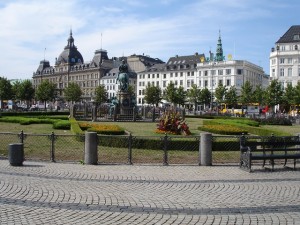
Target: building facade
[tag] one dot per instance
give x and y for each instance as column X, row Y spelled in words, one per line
column 205, row 72
column 285, row 58
column 101, row 70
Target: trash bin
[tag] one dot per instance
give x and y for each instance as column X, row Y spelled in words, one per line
column 16, row 154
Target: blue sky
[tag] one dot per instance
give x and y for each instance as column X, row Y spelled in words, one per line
column 160, row 29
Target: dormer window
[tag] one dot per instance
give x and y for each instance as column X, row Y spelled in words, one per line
column 296, row 37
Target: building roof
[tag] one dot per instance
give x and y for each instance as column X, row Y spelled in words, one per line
column 292, row 35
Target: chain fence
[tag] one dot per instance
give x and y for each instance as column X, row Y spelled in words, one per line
column 123, row 149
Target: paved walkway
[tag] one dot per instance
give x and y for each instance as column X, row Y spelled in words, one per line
column 56, row 193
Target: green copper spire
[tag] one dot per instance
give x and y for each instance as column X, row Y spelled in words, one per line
column 219, row 53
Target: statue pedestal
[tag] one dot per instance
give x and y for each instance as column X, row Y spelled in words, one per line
column 125, row 107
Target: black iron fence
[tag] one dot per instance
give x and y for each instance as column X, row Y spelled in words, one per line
column 123, row 149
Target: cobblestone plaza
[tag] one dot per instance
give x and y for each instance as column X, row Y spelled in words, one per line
column 63, row 193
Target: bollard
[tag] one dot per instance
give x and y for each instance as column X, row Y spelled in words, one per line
column 16, row 154
column 205, row 149
column 91, row 150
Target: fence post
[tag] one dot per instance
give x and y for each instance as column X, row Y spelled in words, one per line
column 130, row 149
column 91, row 151
column 21, row 136
column 52, row 155
column 134, row 114
column 165, row 150
column 205, row 149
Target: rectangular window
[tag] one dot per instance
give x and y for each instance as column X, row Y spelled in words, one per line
column 181, row 82
column 205, row 83
column 148, row 76
column 171, row 75
column 282, row 72
column 176, row 83
column 273, row 72
column 181, row 74
column 205, row 72
column 157, row 75
column 220, row 72
column 164, row 83
column 290, row 60
column 157, row 83
column 228, row 71
column 176, row 74
column 153, row 75
column 220, row 82
column 165, row 76
column 281, row 61
column 188, row 83
column 290, row 72
column 239, row 71
column 227, row 82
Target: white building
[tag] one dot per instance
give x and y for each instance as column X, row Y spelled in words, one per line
column 204, row 72
column 285, row 58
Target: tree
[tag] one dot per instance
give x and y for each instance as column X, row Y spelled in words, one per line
column 194, row 95
column 73, row 92
column 153, row 95
column 205, row 96
column 101, row 95
column 180, row 96
column 297, row 94
column 45, row 91
column 23, row 91
column 259, row 95
column 274, row 94
column 246, row 93
column 6, row 92
column 231, row 97
column 170, row 93
column 220, row 93
column 288, row 98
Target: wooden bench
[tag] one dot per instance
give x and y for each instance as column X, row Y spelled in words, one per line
column 268, row 149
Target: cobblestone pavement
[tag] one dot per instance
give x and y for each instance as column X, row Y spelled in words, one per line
column 62, row 193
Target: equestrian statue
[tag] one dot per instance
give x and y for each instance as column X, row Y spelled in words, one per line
column 123, row 77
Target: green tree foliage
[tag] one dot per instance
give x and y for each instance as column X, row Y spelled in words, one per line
column 101, row 95
column 231, row 97
column 193, row 95
column 181, row 96
column 45, row 91
column 152, row 95
column 24, row 90
column 170, row 93
column 246, row 93
column 259, row 95
column 73, row 92
column 6, row 91
column 274, row 93
column 288, row 97
column 220, row 93
column 205, row 96
column 297, row 94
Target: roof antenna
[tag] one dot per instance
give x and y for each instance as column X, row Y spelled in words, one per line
column 101, row 42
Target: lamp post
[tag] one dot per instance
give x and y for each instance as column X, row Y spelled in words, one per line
column 211, row 73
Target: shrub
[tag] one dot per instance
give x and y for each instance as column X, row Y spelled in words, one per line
column 102, row 128
column 172, row 123
column 223, row 129
column 274, row 121
column 62, row 125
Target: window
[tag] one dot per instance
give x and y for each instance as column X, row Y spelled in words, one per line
column 181, row 82
column 171, row 75
column 239, row 71
column 149, row 76
column 296, row 37
column 281, row 61
column 165, row 76
column 164, row 83
column 188, row 83
column 290, row 72
column 227, row 82
column 181, row 74
column 228, row 71
column 205, row 73
column 282, row 72
column 273, row 61
column 157, row 83
column 153, row 75
column 176, row 83
column 273, row 72
column 192, row 73
column 157, row 75
column 176, row 74
column 213, row 72
column 205, row 83
column 220, row 82
column 220, row 72
column 290, row 60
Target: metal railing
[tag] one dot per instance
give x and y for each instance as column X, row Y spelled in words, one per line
column 123, row 149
